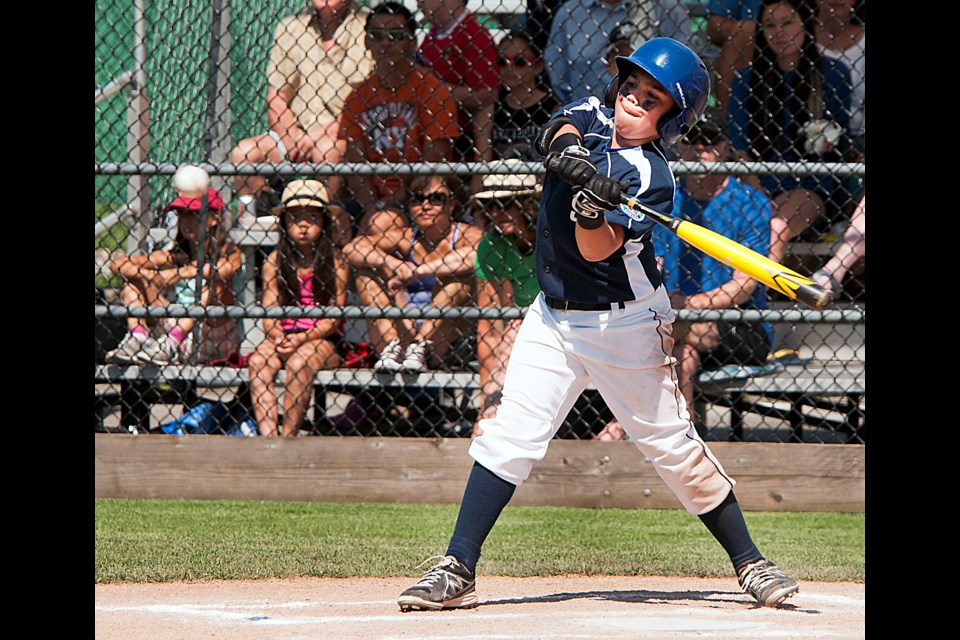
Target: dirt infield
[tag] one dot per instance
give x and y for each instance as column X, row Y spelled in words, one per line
column 560, row 608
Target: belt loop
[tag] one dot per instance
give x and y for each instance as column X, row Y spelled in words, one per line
column 621, row 305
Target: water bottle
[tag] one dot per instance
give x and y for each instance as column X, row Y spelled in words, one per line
column 246, row 212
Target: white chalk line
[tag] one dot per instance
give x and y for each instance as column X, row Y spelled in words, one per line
column 763, row 623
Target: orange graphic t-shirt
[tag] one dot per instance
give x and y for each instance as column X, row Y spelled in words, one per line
column 396, row 125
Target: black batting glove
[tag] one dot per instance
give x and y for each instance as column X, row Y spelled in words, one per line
column 599, row 195
column 573, row 164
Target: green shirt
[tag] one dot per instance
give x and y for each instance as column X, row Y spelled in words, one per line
column 498, row 258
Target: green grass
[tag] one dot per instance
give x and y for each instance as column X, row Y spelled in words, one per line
column 161, row 541
column 116, row 236
column 112, row 240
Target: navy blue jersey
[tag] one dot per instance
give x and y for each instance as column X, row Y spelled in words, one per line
column 630, row 273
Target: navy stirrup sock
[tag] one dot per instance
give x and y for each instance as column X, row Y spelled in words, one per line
column 728, row 527
column 484, row 498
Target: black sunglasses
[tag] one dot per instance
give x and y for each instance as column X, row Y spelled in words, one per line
column 393, row 35
column 518, row 60
column 436, row 198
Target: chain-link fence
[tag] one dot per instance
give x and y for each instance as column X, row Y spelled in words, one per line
column 365, row 252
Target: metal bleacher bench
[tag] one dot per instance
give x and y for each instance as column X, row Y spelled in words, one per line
column 132, row 381
column 816, row 393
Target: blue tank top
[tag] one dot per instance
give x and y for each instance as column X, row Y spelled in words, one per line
column 425, row 284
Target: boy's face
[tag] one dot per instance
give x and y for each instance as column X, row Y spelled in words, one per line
column 641, row 103
column 388, row 39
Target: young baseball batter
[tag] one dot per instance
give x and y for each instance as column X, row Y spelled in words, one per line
column 602, row 316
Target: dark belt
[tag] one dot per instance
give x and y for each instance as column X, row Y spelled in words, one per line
column 567, row 305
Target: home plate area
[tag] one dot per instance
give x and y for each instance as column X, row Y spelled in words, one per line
column 561, row 607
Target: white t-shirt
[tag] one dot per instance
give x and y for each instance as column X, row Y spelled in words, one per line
column 854, row 58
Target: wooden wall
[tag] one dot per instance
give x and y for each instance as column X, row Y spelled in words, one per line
column 770, row 477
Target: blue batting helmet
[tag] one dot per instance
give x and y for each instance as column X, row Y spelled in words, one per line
column 681, row 72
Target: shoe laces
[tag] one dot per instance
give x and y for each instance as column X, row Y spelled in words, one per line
column 437, row 571
column 760, row 574
column 391, row 351
column 417, row 349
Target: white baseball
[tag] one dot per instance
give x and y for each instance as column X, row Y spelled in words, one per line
column 191, row 181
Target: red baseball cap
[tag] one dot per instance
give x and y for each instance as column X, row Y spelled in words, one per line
column 214, row 201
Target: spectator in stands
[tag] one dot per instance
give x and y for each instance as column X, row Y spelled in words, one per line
column 318, row 54
column 619, row 45
column 429, row 264
column 403, row 112
column 841, row 35
column 508, row 127
column 169, row 276
column 852, row 250
column 538, row 19
column 305, row 270
column 579, row 40
column 791, row 105
column 505, row 272
column 731, row 25
column 695, row 280
column 462, row 52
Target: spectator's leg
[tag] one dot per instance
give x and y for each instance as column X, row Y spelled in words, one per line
column 262, row 367
column 691, row 341
column 133, row 295
column 257, row 149
column 688, row 364
column 442, row 332
column 850, row 251
column 301, row 367
column 328, row 148
column 372, row 292
column 371, row 285
column 793, row 211
column 381, row 220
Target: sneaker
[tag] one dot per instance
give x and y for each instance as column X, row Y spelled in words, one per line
column 159, row 353
column 126, row 352
column 767, row 583
column 446, row 585
column 390, row 358
column 415, row 357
